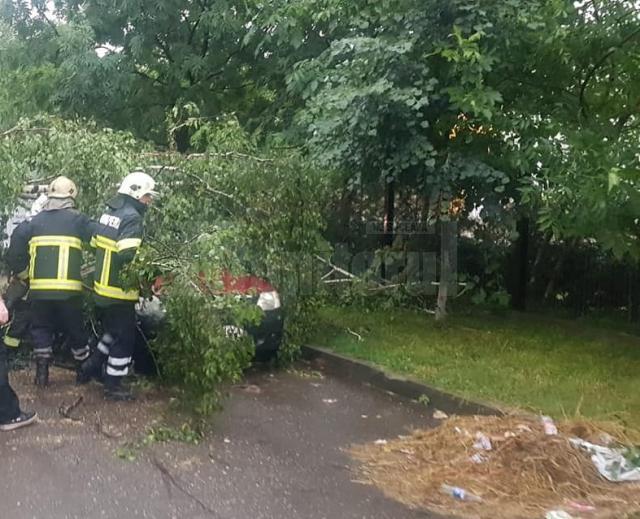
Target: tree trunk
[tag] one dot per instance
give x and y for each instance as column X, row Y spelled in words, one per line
column 543, row 243
column 521, row 259
column 557, row 269
column 339, row 228
column 447, row 271
column 389, row 212
column 182, row 139
column 389, row 218
column 632, row 288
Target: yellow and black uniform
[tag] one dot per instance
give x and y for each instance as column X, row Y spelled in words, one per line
column 117, row 238
column 47, row 251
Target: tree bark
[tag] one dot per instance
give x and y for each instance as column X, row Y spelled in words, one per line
column 632, row 289
column 447, row 271
column 182, row 138
column 555, row 273
column 389, row 219
column 521, row 271
column 389, row 212
column 542, row 246
column 339, row 228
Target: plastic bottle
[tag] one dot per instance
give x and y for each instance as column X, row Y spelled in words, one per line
column 460, row 493
column 550, row 428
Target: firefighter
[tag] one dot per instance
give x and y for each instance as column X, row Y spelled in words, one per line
column 117, row 239
column 11, row 417
column 15, row 295
column 47, row 251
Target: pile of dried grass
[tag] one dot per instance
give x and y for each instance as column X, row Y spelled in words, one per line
column 526, row 474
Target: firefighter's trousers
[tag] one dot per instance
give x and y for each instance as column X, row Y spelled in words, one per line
column 119, row 336
column 49, row 317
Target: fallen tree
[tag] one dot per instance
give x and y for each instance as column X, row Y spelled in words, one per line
column 242, row 211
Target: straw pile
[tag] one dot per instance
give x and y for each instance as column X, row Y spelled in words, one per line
column 525, row 474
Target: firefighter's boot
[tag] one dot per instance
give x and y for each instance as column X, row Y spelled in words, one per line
column 92, row 368
column 116, row 391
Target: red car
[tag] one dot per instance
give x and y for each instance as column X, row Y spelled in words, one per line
column 267, row 334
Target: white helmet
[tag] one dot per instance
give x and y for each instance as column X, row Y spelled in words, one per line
column 62, row 187
column 138, row 184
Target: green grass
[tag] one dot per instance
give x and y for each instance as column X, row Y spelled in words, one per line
column 539, row 364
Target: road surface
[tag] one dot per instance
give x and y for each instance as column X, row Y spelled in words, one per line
column 276, row 451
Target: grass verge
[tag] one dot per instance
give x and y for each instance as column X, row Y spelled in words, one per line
column 561, row 368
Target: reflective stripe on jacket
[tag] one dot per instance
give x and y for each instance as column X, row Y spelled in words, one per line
column 117, row 239
column 48, row 251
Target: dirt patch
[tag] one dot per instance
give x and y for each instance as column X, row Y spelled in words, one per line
column 525, row 474
column 68, row 410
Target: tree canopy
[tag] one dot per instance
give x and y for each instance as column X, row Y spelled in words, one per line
column 527, row 108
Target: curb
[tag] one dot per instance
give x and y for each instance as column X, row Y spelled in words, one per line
column 368, row 373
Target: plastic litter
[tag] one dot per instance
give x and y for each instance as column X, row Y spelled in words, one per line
column 463, row 432
column 611, row 463
column 606, row 439
column 329, row 400
column 381, row 442
column 549, row 425
column 483, row 443
column 440, row 415
column 580, row 507
column 460, row 493
column 558, row 473
column 558, row 514
column 478, row 459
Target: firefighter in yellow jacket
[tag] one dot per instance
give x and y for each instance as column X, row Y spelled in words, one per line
column 117, row 239
column 47, row 253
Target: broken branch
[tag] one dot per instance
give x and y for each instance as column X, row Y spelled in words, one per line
column 65, row 411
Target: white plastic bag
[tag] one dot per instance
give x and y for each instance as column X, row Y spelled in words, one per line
column 611, row 463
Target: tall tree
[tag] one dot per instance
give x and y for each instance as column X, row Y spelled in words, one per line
column 545, row 91
column 133, row 64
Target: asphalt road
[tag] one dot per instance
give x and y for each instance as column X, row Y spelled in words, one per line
column 276, row 451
